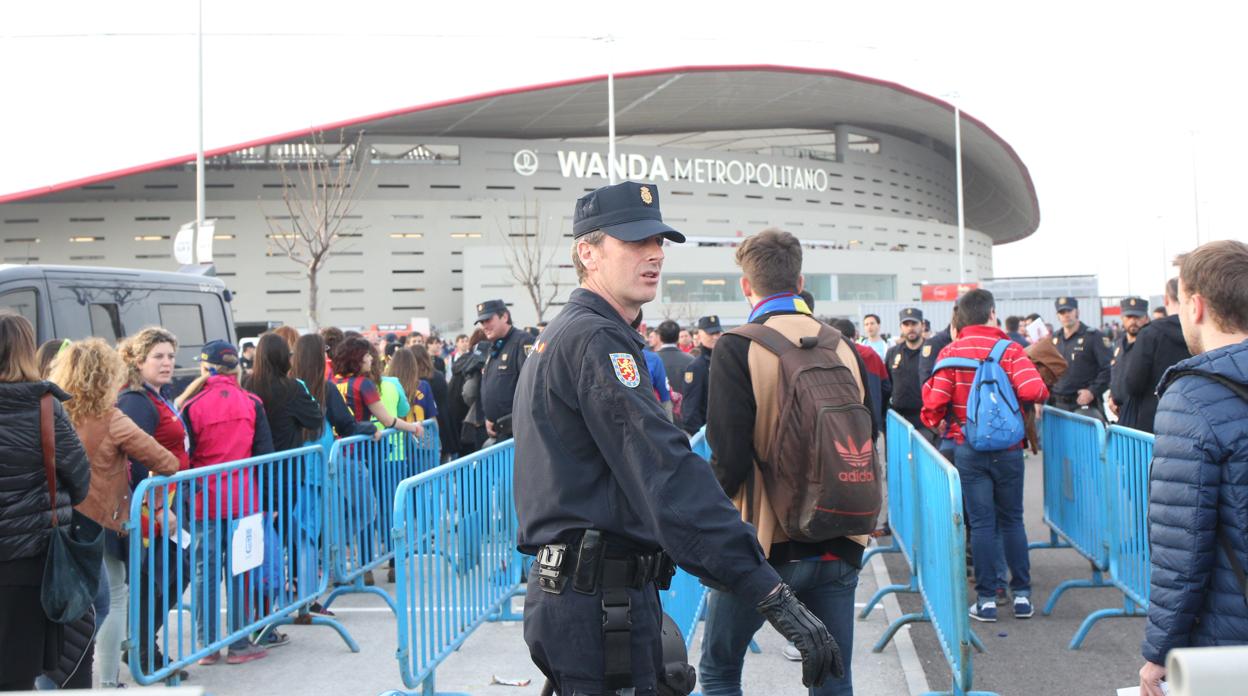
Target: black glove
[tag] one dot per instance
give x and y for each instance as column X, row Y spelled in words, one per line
column 821, row 656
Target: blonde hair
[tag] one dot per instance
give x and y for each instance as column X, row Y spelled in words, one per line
column 92, row 372
column 193, row 388
column 135, row 349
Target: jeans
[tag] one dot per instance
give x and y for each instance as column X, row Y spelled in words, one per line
column 112, row 629
column 210, row 551
column 825, row 587
column 992, row 489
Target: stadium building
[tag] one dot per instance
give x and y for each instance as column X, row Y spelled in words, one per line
column 448, row 200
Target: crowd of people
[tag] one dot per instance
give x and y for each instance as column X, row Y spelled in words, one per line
column 118, row 417
column 602, row 409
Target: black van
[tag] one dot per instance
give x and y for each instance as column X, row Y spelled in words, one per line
column 112, row 303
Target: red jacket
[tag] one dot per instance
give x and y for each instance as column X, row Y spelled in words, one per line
column 953, row 386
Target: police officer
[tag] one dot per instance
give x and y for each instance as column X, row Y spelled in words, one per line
column 608, row 492
column 697, row 376
column 1087, row 353
column 508, row 348
column 1134, row 316
column 902, row 362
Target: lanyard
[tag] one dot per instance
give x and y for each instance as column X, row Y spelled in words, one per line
column 785, row 301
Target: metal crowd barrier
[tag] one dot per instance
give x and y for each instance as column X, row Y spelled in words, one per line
column 364, row 475
column 1098, row 507
column 245, row 538
column 454, row 534
column 685, row 600
column 901, row 500
column 934, row 542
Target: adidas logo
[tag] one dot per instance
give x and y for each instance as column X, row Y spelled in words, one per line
column 856, row 456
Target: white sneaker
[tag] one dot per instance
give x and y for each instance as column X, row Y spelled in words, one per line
column 791, row 652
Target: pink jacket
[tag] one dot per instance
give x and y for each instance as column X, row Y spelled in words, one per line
column 226, row 424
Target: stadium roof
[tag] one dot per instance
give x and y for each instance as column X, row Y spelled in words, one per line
column 712, row 107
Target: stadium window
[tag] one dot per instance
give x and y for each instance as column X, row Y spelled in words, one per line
column 20, row 221
column 86, row 219
column 465, row 235
column 855, row 286
column 702, row 287
column 151, row 237
column 406, row 235
column 84, row 239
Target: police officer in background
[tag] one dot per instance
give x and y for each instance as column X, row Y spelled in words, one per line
column 508, row 348
column 1087, row 354
column 608, row 492
column 1159, row 345
column 697, row 376
column 902, row 362
column 1134, row 312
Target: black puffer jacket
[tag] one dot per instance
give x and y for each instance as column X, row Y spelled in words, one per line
column 25, row 516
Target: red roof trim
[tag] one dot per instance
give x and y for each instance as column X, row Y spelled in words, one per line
column 291, row 135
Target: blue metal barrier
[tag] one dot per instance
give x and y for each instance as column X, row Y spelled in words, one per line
column 685, row 600
column 901, row 500
column 940, row 559
column 1075, row 491
column 1128, row 454
column 364, row 474
column 454, row 540
column 251, row 527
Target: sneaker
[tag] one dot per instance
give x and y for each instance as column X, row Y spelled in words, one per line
column 984, row 610
column 1022, row 608
column 791, row 652
column 271, row 638
column 319, row 609
column 210, row 659
column 238, row 657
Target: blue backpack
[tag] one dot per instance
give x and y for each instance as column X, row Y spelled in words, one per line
column 993, row 419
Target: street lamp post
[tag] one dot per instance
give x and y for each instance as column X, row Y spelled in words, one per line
column 957, row 150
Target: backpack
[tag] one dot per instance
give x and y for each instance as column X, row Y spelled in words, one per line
column 820, row 472
column 994, row 420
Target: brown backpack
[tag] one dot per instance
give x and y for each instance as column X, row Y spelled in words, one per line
column 820, row 474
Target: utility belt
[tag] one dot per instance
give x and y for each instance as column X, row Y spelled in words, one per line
column 595, row 565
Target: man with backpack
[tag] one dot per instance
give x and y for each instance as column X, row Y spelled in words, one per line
column 790, row 390
column 1198, row 480
column 982, row 376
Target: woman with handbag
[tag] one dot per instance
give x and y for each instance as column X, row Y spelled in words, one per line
column 92, row 373
column 31, row 639
column 147, row 399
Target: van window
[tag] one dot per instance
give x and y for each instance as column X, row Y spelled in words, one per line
column 186, row 321
column 105, row 321
column 23, row 302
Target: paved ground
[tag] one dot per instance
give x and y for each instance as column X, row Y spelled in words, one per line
column 1031, row 656
column 317, row 662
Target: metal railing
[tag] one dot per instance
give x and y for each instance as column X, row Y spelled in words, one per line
column 901, row 513
column 245, row 537
column 364, row 475
column 454, row 534
column 685, row 600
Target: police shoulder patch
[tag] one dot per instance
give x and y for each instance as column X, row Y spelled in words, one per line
column 528, row 349
column 688, row 378
column 625, row 369
column 927, row 351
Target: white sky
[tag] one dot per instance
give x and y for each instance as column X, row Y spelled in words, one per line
column 1113, row 106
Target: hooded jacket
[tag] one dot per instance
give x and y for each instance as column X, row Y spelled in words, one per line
column 25, row 513
column 1198, row 491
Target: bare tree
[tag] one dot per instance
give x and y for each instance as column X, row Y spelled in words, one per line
column 532, row 249
column 683, row 313
column 319, row 190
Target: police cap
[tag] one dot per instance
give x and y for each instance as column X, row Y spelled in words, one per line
column 710, row 324
column 1065, row 303
column 1134, row 307
column 627, row 211
column 489, row 308
column 911, row 314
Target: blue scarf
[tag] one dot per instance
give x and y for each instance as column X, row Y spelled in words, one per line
column 785, row 301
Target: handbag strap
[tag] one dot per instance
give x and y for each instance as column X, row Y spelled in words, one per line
column 49, row 449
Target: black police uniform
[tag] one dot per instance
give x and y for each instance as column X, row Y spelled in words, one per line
column 498, row 380
column 1087, row 354
column 902, row 364
column 1127, row 409
column 607, row 488
column 929, row 352
column 1159, row 345
column 697, row 380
